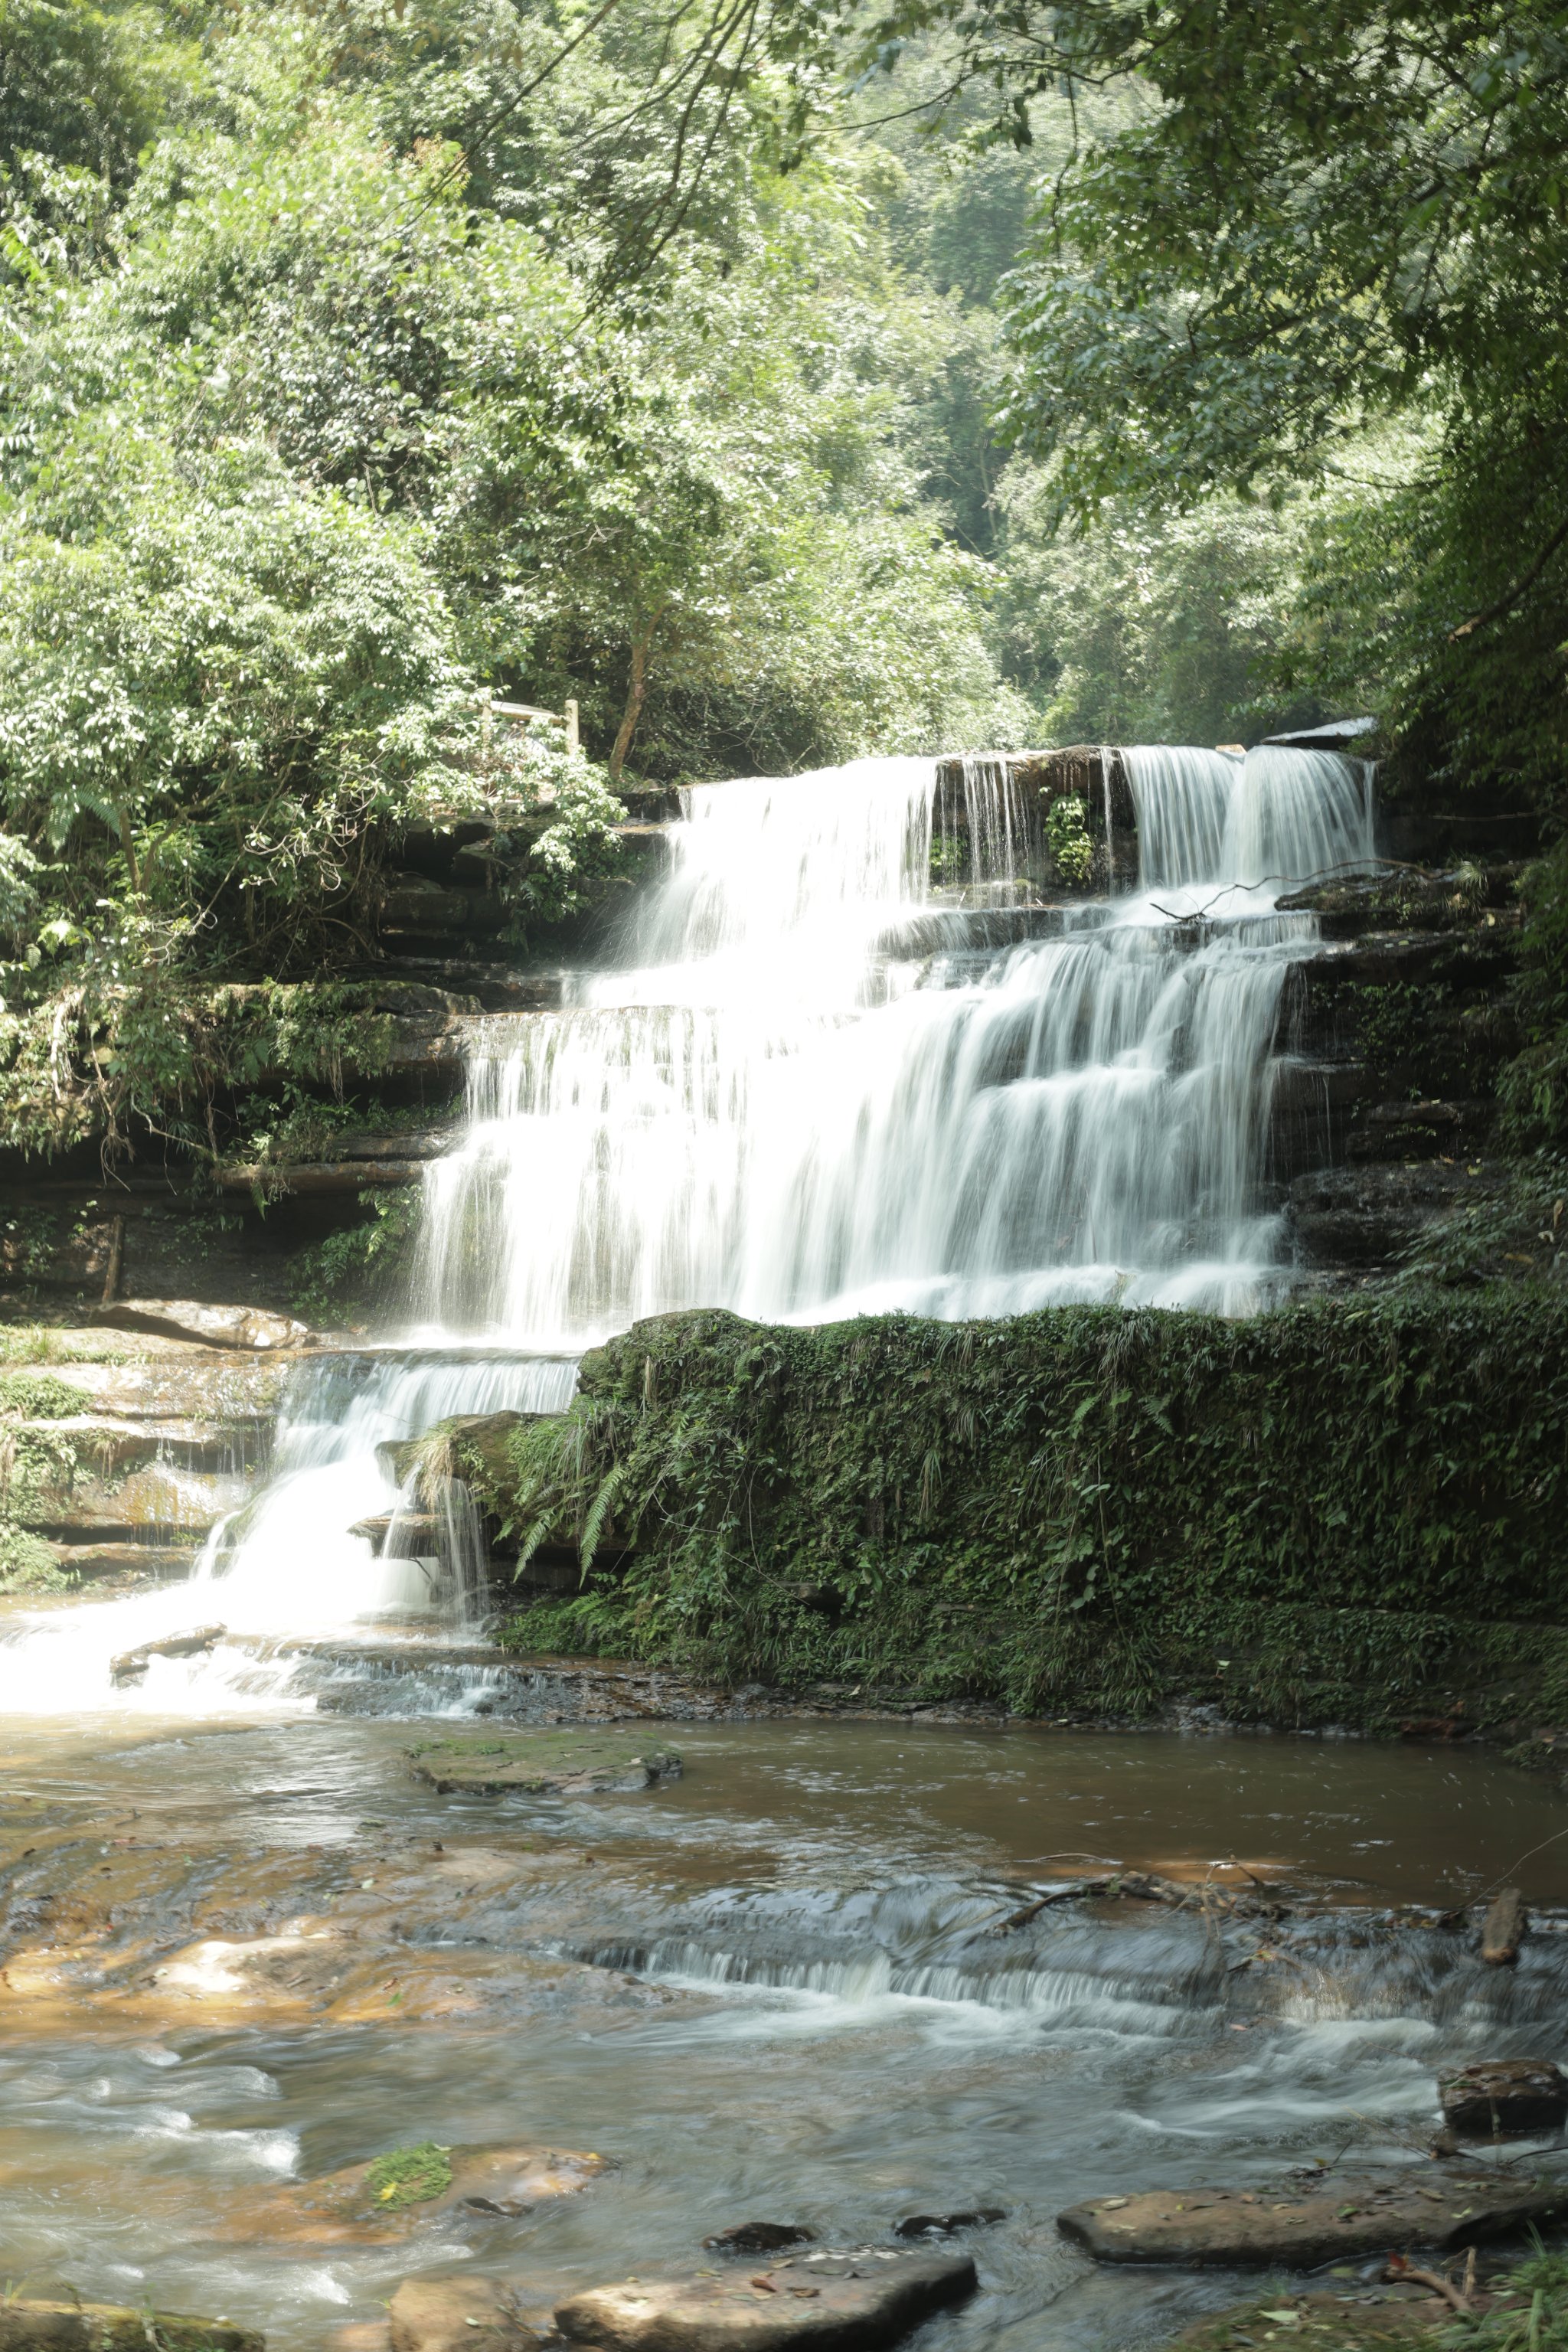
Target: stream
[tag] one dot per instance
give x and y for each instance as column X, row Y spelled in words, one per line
column 244, row 1951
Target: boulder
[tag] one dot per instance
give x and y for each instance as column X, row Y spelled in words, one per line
column 1514, row 2098
column 456, row 2315
column 251, row 1328
column 552, row 1763
column 1299, row 2228
column 827, row 2302
column 110, row 2327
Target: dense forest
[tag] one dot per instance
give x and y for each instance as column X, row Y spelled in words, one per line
column 777, row 383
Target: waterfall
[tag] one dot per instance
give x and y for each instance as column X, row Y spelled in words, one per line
column 1233, row 829
column 758, row 1116
column 763, row 1106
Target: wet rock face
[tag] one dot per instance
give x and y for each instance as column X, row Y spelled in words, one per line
column 1516, row 2098
column 1299, row 2228
column 839, row 2300
column 461, row 2314
column 110, row 2327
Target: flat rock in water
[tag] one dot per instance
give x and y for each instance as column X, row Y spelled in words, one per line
column 110, row 2327
column 834, row 2302
column 345, row 2206
column 456, row 2315
column 1299, row 2228
column 1511, row 2098
column 545, row 1763
column 251, row 1328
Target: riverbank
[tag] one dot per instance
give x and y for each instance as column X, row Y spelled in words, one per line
column 1346, row 1513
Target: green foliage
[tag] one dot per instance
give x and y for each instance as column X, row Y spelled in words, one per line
column 351, row 1268
column 1066, row 838
column 35, row 1396
column 26, row 1562
column 1313, row 1517
column 1534, row 1088
column 409, row 2176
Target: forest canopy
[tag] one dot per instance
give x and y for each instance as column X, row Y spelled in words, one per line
column 779, row 382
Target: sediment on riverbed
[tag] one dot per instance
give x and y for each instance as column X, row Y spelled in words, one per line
column 1348, row 1512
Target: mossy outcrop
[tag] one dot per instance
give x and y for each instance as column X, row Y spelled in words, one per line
column 1351, row 1512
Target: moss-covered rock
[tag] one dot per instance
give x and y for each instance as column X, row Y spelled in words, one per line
column 1350, row 1512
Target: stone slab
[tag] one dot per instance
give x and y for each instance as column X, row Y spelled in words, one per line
column 1299, row 2228
column 826, row 2301
column 550, row 1763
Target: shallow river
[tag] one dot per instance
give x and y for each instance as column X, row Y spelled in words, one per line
column 239, row 1953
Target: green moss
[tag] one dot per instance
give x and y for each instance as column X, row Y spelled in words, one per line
column 409, row 2176
column 1347, row 1512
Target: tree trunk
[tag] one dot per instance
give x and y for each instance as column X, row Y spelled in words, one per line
column 636, row 691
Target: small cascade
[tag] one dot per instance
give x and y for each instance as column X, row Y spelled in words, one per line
column 986, row 835
column 290, row 1562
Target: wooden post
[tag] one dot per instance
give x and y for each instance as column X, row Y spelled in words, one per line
column 572, row 737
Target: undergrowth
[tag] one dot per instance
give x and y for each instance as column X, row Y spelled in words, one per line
column 1327, row 1514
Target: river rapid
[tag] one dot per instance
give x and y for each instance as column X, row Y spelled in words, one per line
column 241, row 1952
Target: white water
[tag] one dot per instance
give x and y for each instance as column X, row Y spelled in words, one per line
column 766, row 1109
column 760, row 1114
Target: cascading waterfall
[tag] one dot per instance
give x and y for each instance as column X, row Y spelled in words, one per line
column 762, row 1117
column 771, row 1106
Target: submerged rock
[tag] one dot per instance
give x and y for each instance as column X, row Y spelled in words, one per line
column 947, row 2225
column 388, row 2196
column 110, row 2327
column 1514, row 2098
column 1299, row 2228
column 456, row 2315
column 541, row 1764
column 840, row 2300
column 758, row 2238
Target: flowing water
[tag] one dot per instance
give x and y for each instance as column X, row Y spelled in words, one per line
column 239, row 1955
column 243, row 1945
